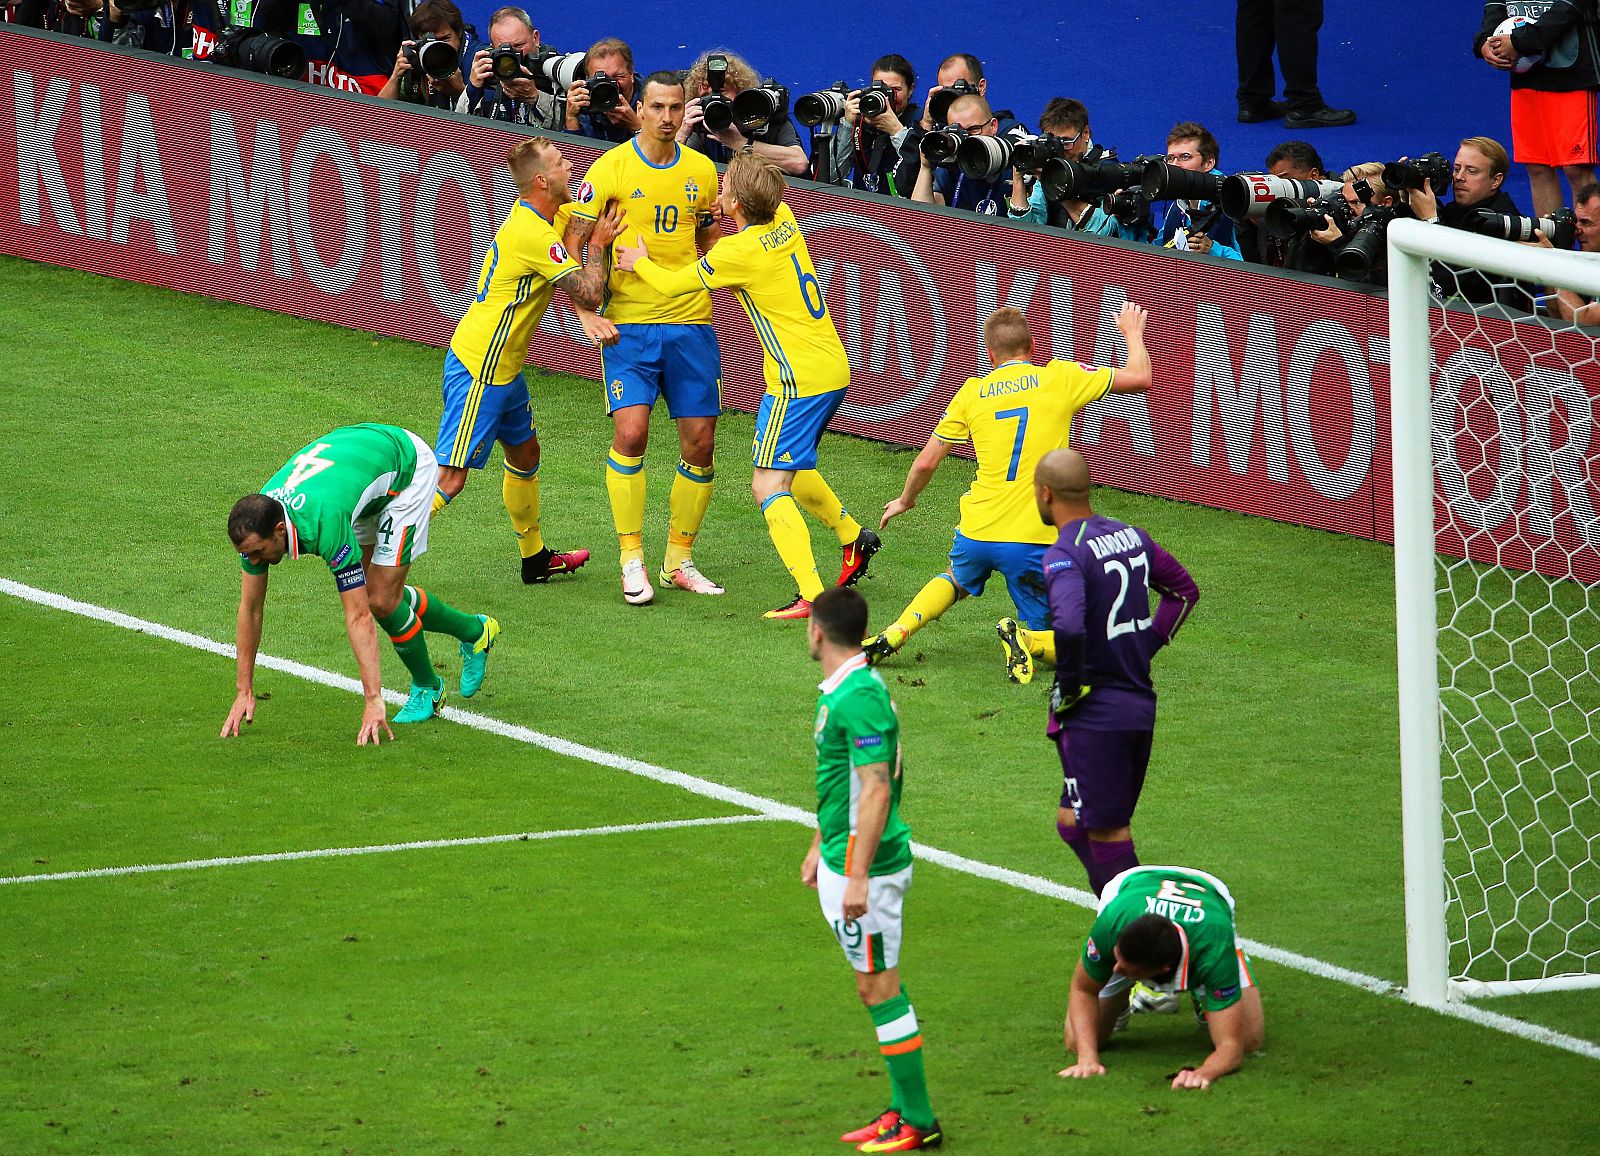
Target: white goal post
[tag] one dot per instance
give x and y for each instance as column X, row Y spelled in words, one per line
column 1441, row 962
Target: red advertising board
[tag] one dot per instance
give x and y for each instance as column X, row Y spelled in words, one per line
column 1270, row 394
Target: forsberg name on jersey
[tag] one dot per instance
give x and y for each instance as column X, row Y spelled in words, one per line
column 1107, row 544
column 771, row 240
column 1018, row 385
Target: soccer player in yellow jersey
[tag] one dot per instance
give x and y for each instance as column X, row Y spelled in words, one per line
column 485, row 393
column 768, row 268
column 665, row 346
column 1013, row 417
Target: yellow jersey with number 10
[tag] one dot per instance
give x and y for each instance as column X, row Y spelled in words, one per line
column 662, row 204
column 769, row 269
column 1013, row 417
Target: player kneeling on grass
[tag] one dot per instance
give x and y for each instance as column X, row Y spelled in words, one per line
column 768, row 266
column 860, row 860
column 359, row 498
column 1013, row 416
column 1171, row 928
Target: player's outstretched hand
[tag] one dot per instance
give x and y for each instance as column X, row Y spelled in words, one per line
column 894, row 509
column 627, row 256
column 1131, row 318
column 608, row 227
column 373, row 720
column 1082, row 1070
column 244, row 710
column 1189, row 1078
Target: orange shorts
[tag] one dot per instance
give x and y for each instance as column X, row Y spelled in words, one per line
column 1553, row 128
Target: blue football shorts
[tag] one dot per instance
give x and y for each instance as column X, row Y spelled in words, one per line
column 1022, row 565
column 476, row 416
column 789, row 430
column 680, row 363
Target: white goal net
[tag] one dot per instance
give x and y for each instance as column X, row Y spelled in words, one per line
column 1497, row 561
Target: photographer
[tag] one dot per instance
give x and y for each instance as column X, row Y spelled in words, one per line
column 1295, row 160
column 1477, row 177
column 1068, row 121
column 1199, row 226
column 959, row 74
column 614, row 58
column 879, row 152
column 947, row 184
column 776, row 140
column 437, row 20
column 517, row 100
column 1567, row 304
column 1363, row 190
column 350, row 44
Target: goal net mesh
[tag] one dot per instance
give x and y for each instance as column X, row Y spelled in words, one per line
column 1516, row 464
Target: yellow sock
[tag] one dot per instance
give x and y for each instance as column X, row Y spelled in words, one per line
column 520, row 490
column 789, row 535
column 625, row 487
column 814, row 494
column 931, row 601
column 1040, row 643
column 440, row 500
column 691, row 494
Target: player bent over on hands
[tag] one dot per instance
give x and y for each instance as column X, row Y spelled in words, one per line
column 1099, row 573
column 664, row 347
column 767, row 265
column 359, row 498
column 860, row 859
column 485, row 393
column 1013, row 417
column 1171, row 927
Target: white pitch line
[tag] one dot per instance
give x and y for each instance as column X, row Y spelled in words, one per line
column 384, row 848
column 773, row 809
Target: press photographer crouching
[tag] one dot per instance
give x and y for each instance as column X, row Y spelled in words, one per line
column 1354, row 223
column 503, row 80
column 1480, row 205
column 1292, row 160
column 730, row 108
column 875, row 134
column 1188, row 179
column 1566, row 304
column 1055, row 198
column 600, row 103
column 984, row 183
column 427, row 69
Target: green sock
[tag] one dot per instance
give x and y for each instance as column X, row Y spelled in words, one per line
column 439, row 617
column 410, row 643
column 900, row 1041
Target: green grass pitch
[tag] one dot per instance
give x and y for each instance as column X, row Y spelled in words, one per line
column 670, row 989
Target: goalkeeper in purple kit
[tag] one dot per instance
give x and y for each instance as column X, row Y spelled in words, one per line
column 1099, row 575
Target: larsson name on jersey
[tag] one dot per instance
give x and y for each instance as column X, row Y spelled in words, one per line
column 1108, row 544
column 1018, row 385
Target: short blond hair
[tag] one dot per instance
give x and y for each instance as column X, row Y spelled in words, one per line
column 1499, row 159
column 757, row 184
column 1006, row 334
column 1372, row 173
column 528, row 158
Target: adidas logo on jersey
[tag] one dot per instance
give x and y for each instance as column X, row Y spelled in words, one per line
column 636, row 194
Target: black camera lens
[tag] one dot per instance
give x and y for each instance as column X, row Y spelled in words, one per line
column 433, row 57
column 939, row 147
column 756, row 108
column 939, row 102
column 604, row 93
column 1364, row 251
column 876, row 99
column 1164, row 182
column 1430, row 167
column 718, row 112
column 506, row 62
column 253, row 51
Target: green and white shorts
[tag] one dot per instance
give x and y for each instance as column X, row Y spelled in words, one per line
column 871, row 943
column 398, row 533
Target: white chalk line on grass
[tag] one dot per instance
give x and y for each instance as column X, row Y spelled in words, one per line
column 772, row 809
column 385, row 848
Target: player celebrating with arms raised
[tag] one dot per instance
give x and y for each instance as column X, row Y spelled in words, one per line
column 1099, row 574
column 665, row 346
column 860, row 859
column 768, row 266
column 359, row 498
column 485, row 394
column 1013, row 417
column 1173, row 928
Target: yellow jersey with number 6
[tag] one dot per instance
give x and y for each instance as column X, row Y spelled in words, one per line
column 1013, row 417
column 662, row 204
column 769, row 270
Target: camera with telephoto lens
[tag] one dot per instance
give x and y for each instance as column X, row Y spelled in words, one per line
column 1080, row 181
column 1364, row 251
column 254, row 51
column 939, row 102
column 508, row 63
column 1409, row 174
column 430, row 57
column 939, row 147
column 1166, row 182
column 605, row 93
column 1559, row 228
column 554, row 72
column 825, row 107
column 1286, row 217
column 1247, row 196
column 715, row 107
column 755, row 109
column 1130, row 207
column 877, row 98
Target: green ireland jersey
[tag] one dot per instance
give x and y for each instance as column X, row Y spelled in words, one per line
column 856, row 727
column 1200, row 906
column 328, row 486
